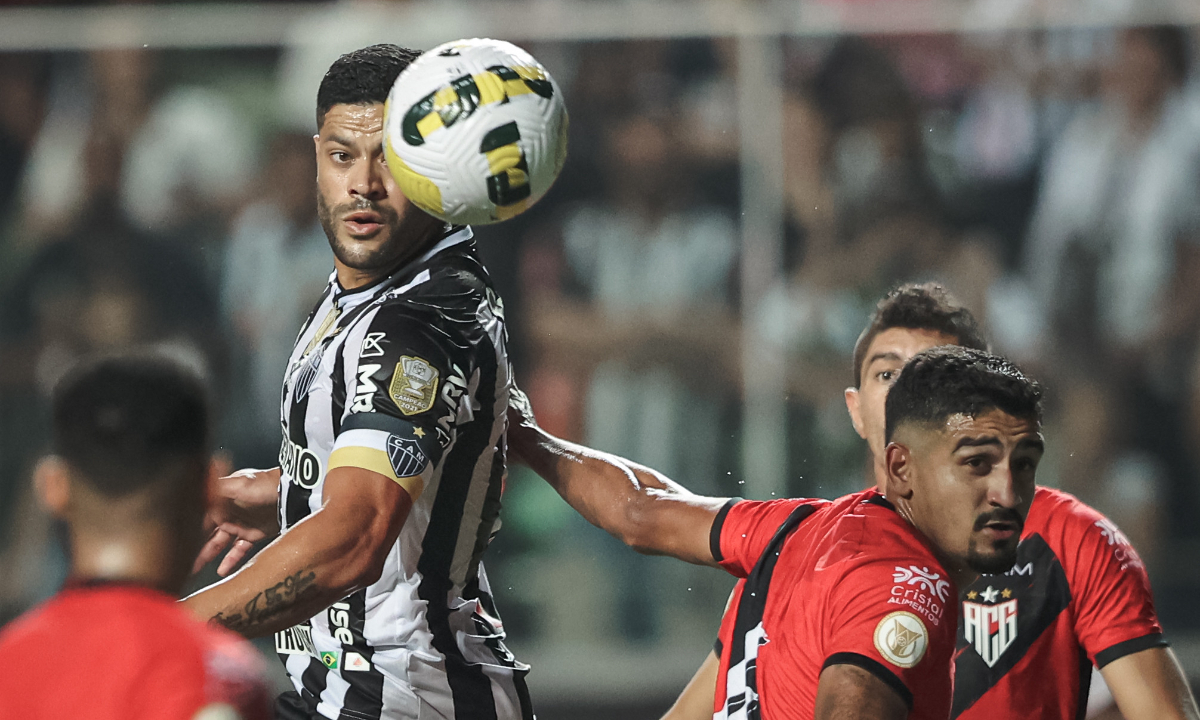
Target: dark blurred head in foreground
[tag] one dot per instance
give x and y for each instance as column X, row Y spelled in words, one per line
column 130, row 469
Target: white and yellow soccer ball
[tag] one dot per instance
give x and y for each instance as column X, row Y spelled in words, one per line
column 475, row 131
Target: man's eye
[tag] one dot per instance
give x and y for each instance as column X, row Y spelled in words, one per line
column 339, row 156
column 977, row 462
column 886, row 375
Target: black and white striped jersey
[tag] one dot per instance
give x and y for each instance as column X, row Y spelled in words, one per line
column 407, row 377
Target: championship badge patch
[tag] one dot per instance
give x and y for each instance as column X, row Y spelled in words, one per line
column 406, row 456
column 414, row 385
column 901, row 638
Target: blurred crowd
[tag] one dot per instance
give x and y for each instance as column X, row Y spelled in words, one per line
column 1050, row 179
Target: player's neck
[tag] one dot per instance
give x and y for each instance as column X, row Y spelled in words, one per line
column 958, row 570
column 142, row 554
column 353, row 278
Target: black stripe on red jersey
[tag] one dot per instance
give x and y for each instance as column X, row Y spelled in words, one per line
column 877, row 669
column 714, row 535
column 1129, row 647
column 751, row 607
column 470, row 688
column 1085, row 684
column 1042, row 593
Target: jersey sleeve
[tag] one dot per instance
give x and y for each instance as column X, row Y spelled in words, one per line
column 743, row 528
column 896, row 620
column 1114, row 609
column 403, row 390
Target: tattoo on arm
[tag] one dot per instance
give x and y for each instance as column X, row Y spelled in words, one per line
column 270, row 603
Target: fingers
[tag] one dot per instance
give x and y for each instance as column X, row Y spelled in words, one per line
column 234, row 556
column 216, row 543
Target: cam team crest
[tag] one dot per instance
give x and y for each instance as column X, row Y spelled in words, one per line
column 901, row 638
column 406, row 456
column 414, row 385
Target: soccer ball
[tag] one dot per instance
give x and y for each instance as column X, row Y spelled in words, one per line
column 475, row 131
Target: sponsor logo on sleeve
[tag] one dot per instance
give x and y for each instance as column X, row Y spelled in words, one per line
column 990, row 627
column 1122, row 549
column 406, row 456
column 901, row 638
column 923, row 591
column 414, row 385
column 364, row 389
column 370, row 345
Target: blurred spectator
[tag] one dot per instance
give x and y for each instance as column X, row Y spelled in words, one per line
column 22, row 85
column 276, row 264
column 1114, row 253
column 654, row 268
column 864, row 215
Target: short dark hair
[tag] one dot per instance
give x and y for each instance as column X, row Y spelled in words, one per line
column 950, row 380
column 362, row 77
column 925, row 306
column 124, row 423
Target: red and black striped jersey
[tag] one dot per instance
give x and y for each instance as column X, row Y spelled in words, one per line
column 1077, row 596
column 828, row 583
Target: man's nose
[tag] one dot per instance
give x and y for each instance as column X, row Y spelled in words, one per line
column 1002, row 487
column 366, row 179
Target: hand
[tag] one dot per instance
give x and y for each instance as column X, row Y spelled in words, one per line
column 242, row 511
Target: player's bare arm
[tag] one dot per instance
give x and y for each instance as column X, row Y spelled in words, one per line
column 847, row 692
column 697, row 699
column 1150, row 685
column 332, row 553
column 242, row 512
column 637, row 505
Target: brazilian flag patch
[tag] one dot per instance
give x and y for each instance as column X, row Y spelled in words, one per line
column 330, row 659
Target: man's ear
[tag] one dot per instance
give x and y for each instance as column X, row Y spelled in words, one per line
column 899, row 468
column 852, row 399
column 52, row 483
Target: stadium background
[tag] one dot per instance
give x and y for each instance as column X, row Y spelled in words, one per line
column 744, row 179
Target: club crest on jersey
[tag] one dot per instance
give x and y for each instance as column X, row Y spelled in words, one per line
column 414, row 385
column 901, row 638
column 990, row 628
column 406, row 456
